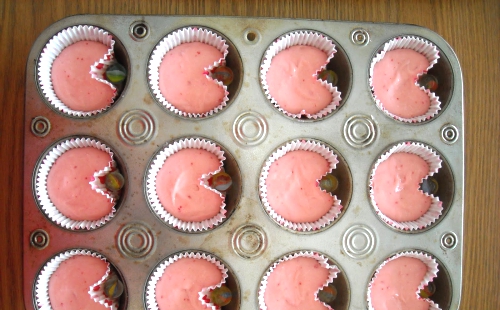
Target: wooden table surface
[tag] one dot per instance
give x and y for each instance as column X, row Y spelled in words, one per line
column 472, row 28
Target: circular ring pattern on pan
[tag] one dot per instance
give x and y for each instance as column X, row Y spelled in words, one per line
column 250, row 128
column 135, row 240
column 359, row 241
column 449, row 241
column 40, row 126
column 360, row 36
column 249, row 241
column 139, row 30
column 360, row 131
column 136, row 127
column 39, row 239
column 449, row 134
column 251, row 36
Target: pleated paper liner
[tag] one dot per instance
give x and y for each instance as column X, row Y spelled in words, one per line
column 56, row 45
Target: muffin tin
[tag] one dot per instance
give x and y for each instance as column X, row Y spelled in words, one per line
column 250, row 128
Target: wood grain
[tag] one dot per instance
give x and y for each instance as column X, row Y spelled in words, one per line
column 472, row 28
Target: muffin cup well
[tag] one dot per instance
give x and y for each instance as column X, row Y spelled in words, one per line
column 56, row 45
column 434, row 162
column 432, row 270
column 332, row 274
column 203, row 295
column 96, row 290
column 306, row 145
column 431, row 53
column 157, row 164
column 96, row 183
column 186, row 35
column 308, row 38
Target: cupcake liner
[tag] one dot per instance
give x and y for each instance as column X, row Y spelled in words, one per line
column 434, row 162
column 332, row 269
column 56, row 45
column 308, row 38
column 155, row 167
column 96, row 290
column 432, row 270
column 97, row 184
column 295, row 145
column 203, row 295
column 431, row 53
column 186, row 35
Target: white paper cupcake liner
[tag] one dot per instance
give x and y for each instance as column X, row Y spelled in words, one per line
column 96, row 290
column 332, row 270
column 157, row 164
column 202, row 295
column 434, row 162
column 431, row 53
column 308, row 38
column 186, row 35
column 56, row 45
column 432, row 270
column 97, row 184
column 305, row 145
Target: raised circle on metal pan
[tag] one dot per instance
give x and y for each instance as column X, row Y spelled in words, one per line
column 442, row 281
column 122, row 299
column 449, row 241
column 443, row 72
column 250, row 128
column 359, row 241
column 40, row 126
column 340, row 64
column 249, row 241
column 251, row 36
column 232, row 281
column 136, row 240
column 233, row 61
column 41, row 161
column 360, row 131
column 343, row 192
column 137, row 127
column 341, row 282
column 139, row 30
column 360, row 36
column 121, row 56
column 445, row 191
column 232, row 195
column 39, row 239
column 449, row 134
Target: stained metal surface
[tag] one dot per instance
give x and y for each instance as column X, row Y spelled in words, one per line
column 250, row 129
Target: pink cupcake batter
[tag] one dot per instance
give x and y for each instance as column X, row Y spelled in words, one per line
column 291, row 81
column 183, row 80
column 70, row 283
column 396, row 285
column 293, row 284
column 178, row 185
column 396, row 186
column 181, row 282
column 68, row 184
column 394, row 83
column 72, row 80
column 292, row 186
